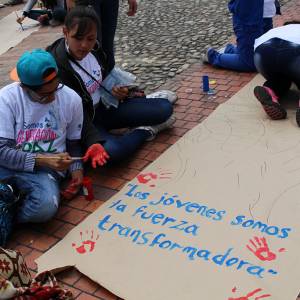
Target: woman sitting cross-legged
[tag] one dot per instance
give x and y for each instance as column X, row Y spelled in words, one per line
column 82, row 67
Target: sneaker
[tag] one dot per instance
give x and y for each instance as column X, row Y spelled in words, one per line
column 222, row 50
column 7, row 211
column 209, row 56
column 164, row 94
column 269, row 102
column 155, row 129
column 13, row 2
column 2, row 5
column 204, row 57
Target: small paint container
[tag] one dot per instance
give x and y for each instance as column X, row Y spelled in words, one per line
column 87, row 187
column 205, row 83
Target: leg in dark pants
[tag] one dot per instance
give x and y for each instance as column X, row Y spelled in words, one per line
column 107, row 10
column 130, row 113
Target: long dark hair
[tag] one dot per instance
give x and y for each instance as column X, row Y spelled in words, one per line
column 84, row 17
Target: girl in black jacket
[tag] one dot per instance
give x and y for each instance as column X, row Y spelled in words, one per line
column 82, row 67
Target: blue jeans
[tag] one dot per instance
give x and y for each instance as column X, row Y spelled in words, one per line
column 280, row 75
column 41, row 190
column 131, row 113
column 248, row 26
column 107, row 10
column 241, row 58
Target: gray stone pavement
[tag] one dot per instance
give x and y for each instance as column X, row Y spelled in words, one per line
column 166, row 36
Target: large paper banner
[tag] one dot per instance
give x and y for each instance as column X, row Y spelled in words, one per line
column 215, row 217
column 11, row 33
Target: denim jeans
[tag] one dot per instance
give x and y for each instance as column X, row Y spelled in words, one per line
column 279, row 62
column 247, row 25
column 239, row 58
column 268, row 24
column 107, row 10
column 41, row 190
column 131, row 113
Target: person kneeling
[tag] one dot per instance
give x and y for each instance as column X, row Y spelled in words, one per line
column 40, row 119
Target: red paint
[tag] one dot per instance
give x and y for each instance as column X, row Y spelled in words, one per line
column 147, row 177
column 87, row 245
column 88, row 188
column 249, row 295
column 260, row 249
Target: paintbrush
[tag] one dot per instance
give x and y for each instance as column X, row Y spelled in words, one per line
column 18, row 22
column 59, row 158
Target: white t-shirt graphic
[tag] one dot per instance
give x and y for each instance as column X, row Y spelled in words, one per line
column 91, row 65
column 36, row 127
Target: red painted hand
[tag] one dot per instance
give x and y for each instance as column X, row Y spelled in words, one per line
column 97, row 154
column 261, row 249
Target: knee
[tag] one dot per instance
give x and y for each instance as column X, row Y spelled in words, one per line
column 165, row 110
column 47, row 209
column 39, row 211
column 41, row 203
column 114, row 149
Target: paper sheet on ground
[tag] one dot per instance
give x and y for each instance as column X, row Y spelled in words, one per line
column 215, row 217
column 11, row 33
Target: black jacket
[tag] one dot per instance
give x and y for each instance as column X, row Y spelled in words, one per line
column 90, row 135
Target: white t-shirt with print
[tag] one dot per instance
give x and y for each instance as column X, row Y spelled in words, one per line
column 40, row 128
column 91, row 65
column 269, row 8
column 288, row 33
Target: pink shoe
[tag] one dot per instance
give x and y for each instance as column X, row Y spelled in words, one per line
column 269, row 101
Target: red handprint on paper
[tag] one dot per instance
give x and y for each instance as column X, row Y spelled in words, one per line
column 146, row 178
column 261, row 250
column 87, row 245
column 249, row 295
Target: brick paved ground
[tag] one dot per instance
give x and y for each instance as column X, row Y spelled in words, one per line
column 192, row 108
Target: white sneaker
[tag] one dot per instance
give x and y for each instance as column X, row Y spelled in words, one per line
column 155, row 129
column 204, row 55
column 222, row 50
column 165, row 94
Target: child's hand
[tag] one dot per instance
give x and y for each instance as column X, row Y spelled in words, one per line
column 20, row 19
column 121, row 93
column 57, row 162
column 97, row 154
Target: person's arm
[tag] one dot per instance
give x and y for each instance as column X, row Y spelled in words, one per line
column 27, row 8
column 18, row 160
column 15, row 159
